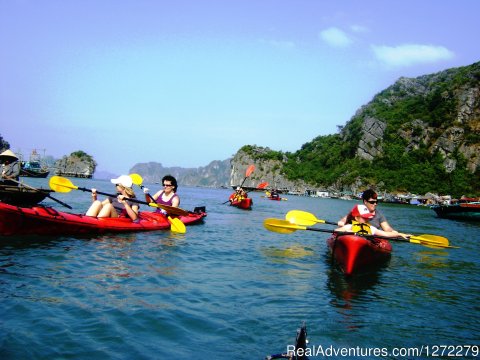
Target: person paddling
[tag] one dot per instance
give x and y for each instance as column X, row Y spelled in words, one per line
column 361, row 226
column 168, row 196
column 370, row 200
column 119, row 206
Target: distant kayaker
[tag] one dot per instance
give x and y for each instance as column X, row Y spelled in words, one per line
column 119, row 206
column 361, row 224
column 168, row 196
column 238, row 196
column 10, row 168
column 274, row 194
column 370, row 200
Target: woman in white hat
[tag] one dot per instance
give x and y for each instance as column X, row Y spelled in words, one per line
column 10, row 168
column 119, row 206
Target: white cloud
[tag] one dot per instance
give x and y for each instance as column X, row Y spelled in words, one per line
column 359, row 29
column 410, row 54
column 335, row 37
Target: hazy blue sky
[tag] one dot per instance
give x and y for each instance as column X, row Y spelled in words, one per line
column 186, row 82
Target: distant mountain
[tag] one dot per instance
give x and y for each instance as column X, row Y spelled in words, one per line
column 216, row 174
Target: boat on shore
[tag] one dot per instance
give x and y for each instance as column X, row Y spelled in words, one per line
column 356, row 254
column 21, row 195
column 42, row 220
column 462, row 210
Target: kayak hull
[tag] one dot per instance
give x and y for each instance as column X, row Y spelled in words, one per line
column 40, row 220
column 356, row 254
column 245, row 204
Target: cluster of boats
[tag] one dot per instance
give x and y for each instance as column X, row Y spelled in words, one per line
column 463, row 209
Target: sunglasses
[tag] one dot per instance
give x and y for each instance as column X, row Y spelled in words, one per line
column 167, row 185
column 373, row 202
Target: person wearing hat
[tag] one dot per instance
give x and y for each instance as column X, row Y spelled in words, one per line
column 369, row 198
column 10, row 168
column 116, row 207
column 238, row 196
column 360, row 224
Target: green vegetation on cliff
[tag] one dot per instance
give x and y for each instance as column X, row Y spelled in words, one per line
column 429, row 140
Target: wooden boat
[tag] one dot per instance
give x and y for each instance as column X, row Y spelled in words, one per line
column 356, row 254
column 459, row 211
column 41, row 220
column 21, row 195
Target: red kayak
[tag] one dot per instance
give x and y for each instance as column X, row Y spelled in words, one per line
column 245, row 203
column 41, row 220
column 355, row 253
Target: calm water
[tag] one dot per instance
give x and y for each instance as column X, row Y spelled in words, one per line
column 229, row 289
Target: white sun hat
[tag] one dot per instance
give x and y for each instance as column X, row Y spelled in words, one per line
column 124, row 180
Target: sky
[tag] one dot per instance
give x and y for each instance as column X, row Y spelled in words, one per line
column 186, row 82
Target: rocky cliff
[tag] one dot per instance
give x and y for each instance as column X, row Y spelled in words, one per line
column 77, row 164
column 420, row 134
column 440, row 112
column 215, row 174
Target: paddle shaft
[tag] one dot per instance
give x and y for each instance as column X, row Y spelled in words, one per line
column 35, row 189
column 350, row 233
column 165, row 207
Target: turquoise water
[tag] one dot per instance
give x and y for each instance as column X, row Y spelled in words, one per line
column 229, row 289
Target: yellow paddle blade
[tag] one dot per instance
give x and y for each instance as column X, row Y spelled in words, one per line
column 281, row 226
column 61, row 184
column 136, row 179
column 300, row 217
column 431, row 241
column 176, row 225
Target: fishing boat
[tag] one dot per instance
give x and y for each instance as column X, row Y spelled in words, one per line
column 33, row 167
column 463, row 210
column 21, row 195
column 41, row 220
column 355, row 254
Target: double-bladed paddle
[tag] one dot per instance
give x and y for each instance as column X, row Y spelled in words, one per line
column 248, row 172
column 61, row 184
column 286, row 227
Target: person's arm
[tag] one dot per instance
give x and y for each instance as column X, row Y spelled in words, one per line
column 391, row 234
column 132, row 211
column 176, row 201
column 386, row 226
column 342, row 221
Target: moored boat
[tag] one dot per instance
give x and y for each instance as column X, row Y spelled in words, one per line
column 21, row 195
column 40, row 220
column 356, row 254
column 33, row 169
column 459, row 211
